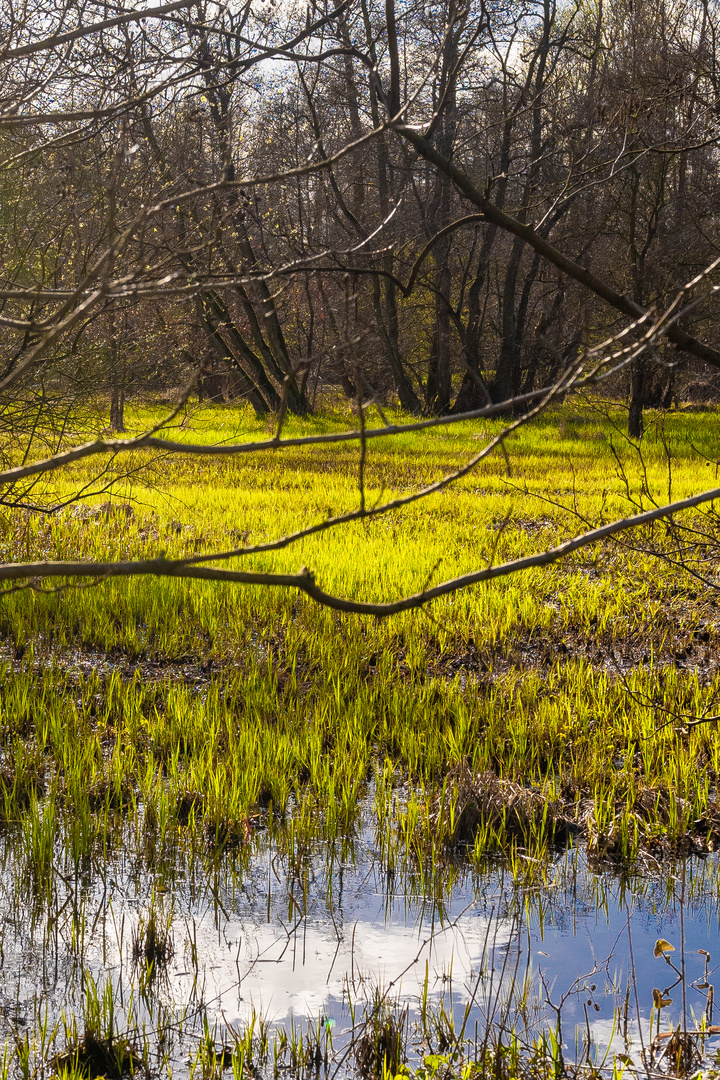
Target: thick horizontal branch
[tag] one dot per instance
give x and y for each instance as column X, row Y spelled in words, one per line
column 54, row 40
column 305, row 581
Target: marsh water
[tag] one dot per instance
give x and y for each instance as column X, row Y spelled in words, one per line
column 285, row 947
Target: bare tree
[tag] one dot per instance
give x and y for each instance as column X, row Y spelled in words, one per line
column 152, row 194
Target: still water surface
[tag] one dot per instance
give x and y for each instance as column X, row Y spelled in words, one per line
column 315, row 949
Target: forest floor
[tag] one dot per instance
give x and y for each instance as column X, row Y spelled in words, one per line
column 195, row 724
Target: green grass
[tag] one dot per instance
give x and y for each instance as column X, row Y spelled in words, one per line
column 184, row 505
column 253, row 705
column 187, row 727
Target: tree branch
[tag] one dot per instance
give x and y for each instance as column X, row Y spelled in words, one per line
column 548, row 251
column 305, row 581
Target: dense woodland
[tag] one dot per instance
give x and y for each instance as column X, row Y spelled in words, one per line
column 440, row 204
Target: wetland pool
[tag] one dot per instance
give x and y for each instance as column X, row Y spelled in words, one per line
column 314, row 953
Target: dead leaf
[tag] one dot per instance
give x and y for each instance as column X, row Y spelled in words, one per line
column 662, row 946
column 660, row 1001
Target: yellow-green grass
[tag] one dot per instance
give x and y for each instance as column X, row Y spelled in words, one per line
column 222, row 502
column 250, row 698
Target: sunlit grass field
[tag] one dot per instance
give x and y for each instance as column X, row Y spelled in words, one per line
column 185, row 733
column 203, row 710
column 499, row 511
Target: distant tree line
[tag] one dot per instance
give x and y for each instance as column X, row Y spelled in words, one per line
column 441, row 204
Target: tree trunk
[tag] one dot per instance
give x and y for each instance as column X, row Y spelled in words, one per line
column 635, row 413
column 505, row 381
column 117, row 408
column 210, row 308
column 385, row 297
column 438, row 386
column 117, row 374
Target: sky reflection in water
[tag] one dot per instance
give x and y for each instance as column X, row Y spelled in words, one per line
column 295, row 961
column 296, row 970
